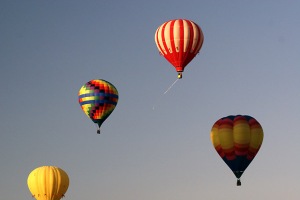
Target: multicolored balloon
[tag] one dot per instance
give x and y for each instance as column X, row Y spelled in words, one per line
column 98, row 98
column 179, row 41
column 48, row 183
column 237, row 139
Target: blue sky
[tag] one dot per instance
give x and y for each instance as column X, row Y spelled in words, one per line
column 249, row 64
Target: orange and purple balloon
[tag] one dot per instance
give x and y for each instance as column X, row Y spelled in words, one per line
column 237, row 139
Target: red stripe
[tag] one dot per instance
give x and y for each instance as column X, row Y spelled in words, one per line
column 187, row 57
column 173, row 55
column 164, row 41
column 160, row 43
column 179, row 54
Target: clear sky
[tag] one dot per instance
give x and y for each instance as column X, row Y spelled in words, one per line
column 249, row 64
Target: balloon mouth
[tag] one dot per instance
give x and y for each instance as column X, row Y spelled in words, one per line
column 238, row 174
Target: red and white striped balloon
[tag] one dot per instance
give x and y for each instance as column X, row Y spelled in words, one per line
column 179, row 41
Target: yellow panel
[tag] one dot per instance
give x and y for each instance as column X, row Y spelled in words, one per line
column 256, row 138
column 241, row 133
column 226, row 138
column 88, row 98
column 214, row 136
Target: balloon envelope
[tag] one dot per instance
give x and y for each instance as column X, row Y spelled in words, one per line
column 48, row 183
column 179, row 41
column 237, row 139
column 98, row 98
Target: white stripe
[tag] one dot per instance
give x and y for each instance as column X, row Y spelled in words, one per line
column 187, row 35
column 176, row 35
column 175, row 38
column 168, row 36
column 156, row 40
column 196, row 36
column 201, row 38
column 162, row 48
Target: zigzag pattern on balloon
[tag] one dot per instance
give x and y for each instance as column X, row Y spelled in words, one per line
column 98, row 98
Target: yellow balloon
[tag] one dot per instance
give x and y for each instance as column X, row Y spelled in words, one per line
column 48, row 183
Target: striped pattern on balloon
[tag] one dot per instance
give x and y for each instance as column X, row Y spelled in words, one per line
column 179, row 41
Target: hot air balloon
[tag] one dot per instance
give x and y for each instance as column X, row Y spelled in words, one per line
column 179, row 41
column 98, row 98
column 237, row 139
column 48, row 183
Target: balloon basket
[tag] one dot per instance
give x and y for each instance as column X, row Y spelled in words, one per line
column 179, row 76
column 238, row 182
